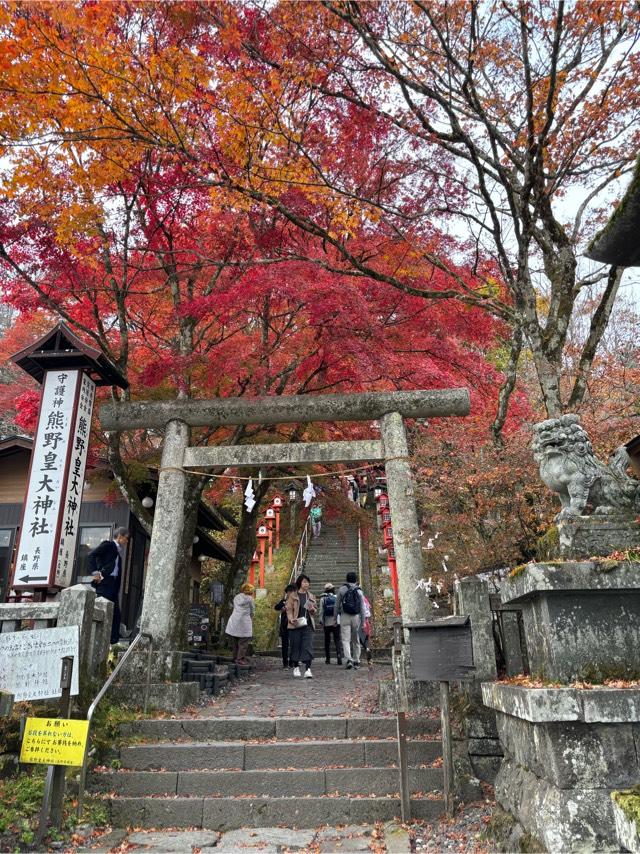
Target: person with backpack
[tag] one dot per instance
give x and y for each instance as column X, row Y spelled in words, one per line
column 330, row 623
column 350, row 610
column 284, row 629
column 316, row 518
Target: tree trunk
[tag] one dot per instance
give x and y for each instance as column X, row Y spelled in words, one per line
column 236, row 572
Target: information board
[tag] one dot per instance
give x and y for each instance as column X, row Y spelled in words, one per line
column 54, row 741
column 198, row 624
column 32, row 662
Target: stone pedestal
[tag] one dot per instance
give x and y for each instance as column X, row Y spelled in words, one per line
column 597, row 536
column 582, row 620
column 472, row 599
column 164, row 695
column 566, row 750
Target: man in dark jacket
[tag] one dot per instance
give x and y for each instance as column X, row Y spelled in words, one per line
column 284, row 629
column 106, row 565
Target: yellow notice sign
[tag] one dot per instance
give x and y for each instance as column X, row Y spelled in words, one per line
column 54, row 741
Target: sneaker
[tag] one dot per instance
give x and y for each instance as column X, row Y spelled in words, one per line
column 349, row 665
column 308, row 674
column 356, row 664
column 296, row 671
column 339, row 662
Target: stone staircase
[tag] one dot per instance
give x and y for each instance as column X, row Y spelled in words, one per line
column 330, row 557
column 226, row 773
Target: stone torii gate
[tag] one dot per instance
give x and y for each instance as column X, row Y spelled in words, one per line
column 178, row 416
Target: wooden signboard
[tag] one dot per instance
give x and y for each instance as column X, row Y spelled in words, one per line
column 49, row 527
column 441, row 650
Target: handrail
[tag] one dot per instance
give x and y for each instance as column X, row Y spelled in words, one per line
column 100, row 695
column 303, row 547
column 360, row 556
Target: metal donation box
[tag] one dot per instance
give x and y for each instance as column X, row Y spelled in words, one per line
column 441, row 650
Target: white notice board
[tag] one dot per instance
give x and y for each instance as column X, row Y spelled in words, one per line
column 31, row 662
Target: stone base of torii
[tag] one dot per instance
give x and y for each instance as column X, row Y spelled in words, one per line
column 162, row 618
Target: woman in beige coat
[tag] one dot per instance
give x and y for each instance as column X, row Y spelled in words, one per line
column 301, row 607
column 240, row 624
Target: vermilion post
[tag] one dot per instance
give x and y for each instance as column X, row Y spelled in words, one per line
column 277, row 506
column 393, row 571
column 263, row 536
column 255, row 561
column 270, row 521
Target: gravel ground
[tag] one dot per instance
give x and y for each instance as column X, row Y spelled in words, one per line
column 464, row 832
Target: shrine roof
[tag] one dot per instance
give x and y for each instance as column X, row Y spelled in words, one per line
column 15, row 444
column 61, row 348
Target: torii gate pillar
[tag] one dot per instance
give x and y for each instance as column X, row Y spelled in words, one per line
column 164, row 589
column 404, row 518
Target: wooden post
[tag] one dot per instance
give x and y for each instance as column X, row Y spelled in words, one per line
column 447, row 752
column 6, row 704
column 53, row 797
column 401, row 720
column 262, row 537
column 59, row 772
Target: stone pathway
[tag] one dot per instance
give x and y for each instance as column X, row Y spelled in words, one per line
column 390, row 837
column 273, row 691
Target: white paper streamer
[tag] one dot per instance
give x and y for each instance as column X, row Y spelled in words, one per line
column 249, row 496
column 309, row 492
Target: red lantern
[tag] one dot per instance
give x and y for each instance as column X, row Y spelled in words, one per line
column 383, row 500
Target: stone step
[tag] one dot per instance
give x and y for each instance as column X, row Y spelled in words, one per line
column 229, row 813
column 282, row 728
column 233, row 755
column 343, row 781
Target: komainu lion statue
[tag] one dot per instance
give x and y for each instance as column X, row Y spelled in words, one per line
column 569, row 467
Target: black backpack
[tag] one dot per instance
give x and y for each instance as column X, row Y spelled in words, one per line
column 351, row 603
column 329, row 604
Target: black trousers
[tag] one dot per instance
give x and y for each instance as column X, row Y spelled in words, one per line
column 334, row 631
column 284, row 634
column 109, row 588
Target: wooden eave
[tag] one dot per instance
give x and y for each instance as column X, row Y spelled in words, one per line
column 61, row 349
